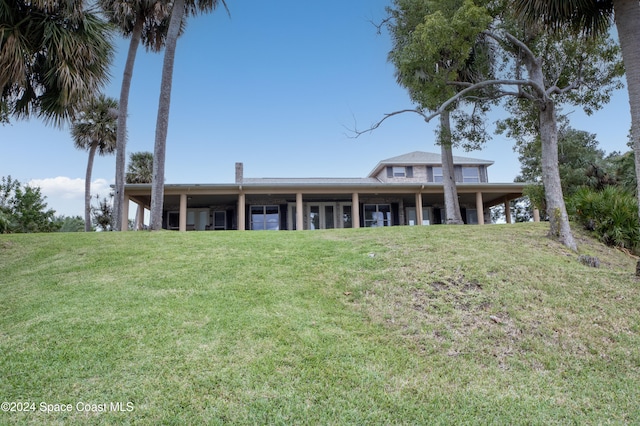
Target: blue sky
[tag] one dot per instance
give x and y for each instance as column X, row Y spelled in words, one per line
column 274, row 86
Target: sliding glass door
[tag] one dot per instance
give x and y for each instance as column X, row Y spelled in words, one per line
column 265, row 218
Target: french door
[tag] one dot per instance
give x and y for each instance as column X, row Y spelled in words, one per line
column 321, row 216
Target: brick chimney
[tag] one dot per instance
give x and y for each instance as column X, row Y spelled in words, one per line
column 239, row 172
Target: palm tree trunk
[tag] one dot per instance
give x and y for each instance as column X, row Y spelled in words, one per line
column 452, row 206
column 121, row 141
column 162, row 124
column 627, row 16
column 556, row 209
column 87, row 188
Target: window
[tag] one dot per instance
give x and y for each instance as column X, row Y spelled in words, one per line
column 400, row 171
column 173, row 219
column 265, row 218
column 470, row 175
column 472, row 216
column 220, row 220
column 437, row 174
column 377, row 215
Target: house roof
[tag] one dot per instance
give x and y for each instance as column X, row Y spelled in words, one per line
column 310, row 181
column 425, row 158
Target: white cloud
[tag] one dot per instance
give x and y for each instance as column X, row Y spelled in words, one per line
column 66, row 195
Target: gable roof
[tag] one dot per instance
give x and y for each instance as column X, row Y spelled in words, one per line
column 425, row 158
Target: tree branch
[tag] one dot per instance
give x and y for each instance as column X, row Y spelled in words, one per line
column 521, row 45
column 559, row 91
column 358, row 133
column 445, row 105
column 463, row 92
column 381, row 24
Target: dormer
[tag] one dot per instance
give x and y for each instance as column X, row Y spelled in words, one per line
column 426, row 167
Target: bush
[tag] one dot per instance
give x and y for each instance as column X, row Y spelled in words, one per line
column 611, row 213
column 23, row 208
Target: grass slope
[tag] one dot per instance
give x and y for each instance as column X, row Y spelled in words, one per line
column 405, row 325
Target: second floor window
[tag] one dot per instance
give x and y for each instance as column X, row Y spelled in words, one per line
column 437, row 174
column 400, row 171
column 470, row 175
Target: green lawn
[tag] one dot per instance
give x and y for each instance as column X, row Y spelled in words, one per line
column 404, row 325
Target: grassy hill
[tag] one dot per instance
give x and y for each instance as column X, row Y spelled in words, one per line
column 405, row 325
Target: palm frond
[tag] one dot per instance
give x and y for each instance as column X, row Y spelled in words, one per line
column 588, row 17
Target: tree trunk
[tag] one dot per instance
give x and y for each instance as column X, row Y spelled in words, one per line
column 452, row 206
column 121, row 135
column 556, row 210
column 87, row 188
column 162, row 124
column 627, row 15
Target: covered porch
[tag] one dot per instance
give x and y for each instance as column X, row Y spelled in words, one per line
column 317, row 206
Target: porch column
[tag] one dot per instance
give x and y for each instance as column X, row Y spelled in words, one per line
column 241, row 212
column 183, row 213
column 124, row 225
column 299, row 212
column 480, row 208
column 355, row 210
column 507, row 210
column 419, row 214
column 140, row 217
column 536, row 215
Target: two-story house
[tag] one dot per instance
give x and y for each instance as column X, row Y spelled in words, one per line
column 403, row 190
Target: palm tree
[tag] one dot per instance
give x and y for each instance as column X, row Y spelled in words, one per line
column 139, row 170
column 95, row 131
column 53, row 57
column 143, row 21
column 179, row 10
column 594, row 17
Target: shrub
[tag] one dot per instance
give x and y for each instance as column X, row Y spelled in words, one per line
column 23, row 208
column 611, row 213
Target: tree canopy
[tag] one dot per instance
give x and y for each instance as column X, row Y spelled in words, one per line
column 23, row 209
column 536, row 71
column 53, row 56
